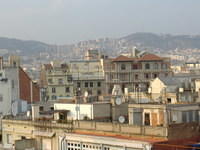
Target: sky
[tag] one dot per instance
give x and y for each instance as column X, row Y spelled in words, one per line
column 70, row 21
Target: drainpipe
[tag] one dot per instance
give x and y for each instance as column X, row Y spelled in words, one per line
column 31, row 85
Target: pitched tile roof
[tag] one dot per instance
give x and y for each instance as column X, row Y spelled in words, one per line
column 150, row 57
column 123, row 58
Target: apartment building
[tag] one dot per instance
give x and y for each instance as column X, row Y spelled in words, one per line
column 56, row 80
column 135, row 70
column 88, row 77
column 15, row 84
column 177, row 89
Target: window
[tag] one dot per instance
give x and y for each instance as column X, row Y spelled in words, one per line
column 90, row 92
column 1, row 98
column 155, row 66
column 99, row 92
column 69, row 78
column 184, row 116
column 164, row 66
column 136, row 77
column 191, row 116
column 166, row 74
column 13, row 84
column 73, row 145
column 147, row 119
column 41, row 108
column 123, row 67
column 123, row 77
column 147, row 66
column 135, row 66
column 0, row 74
column 86, row 84
column 197, row 116
column 91, row 84
column 146, row 75
column 67, row 90
column 14, row 64
column 60, row 81
column 78, row 84
column 155, row 75
column 52, row 108
column 53, row 97
column 113, row 66
column 53, row 90
column 112, row 76
column 169, row 100
column 99, row 84
column 137, row 118
column 50, row 81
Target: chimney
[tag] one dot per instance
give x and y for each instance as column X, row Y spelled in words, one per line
column 133, row 53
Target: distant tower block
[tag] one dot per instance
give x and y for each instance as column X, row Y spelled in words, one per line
column 14, row 61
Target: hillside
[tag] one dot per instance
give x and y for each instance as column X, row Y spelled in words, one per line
column 148, row 41
column 23, row 46
column 163, row 41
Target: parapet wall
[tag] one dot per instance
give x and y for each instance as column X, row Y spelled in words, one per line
column 120, row 128
column 92, row 126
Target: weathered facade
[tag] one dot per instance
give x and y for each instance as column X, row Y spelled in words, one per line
column 135, row 72
column 177, row 89
column 163, row 114
column 88, row 77
column 56, row 80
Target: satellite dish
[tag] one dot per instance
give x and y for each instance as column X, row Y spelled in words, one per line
column 121, row 119
column 28, row 113
column 118, row 101
column 14, row 108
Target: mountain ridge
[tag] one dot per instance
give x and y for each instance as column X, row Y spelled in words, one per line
column 140, row 39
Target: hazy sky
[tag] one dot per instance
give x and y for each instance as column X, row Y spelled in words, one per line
column 68, row 21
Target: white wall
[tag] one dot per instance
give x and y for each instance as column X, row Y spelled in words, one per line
column 82, row 110
column 5, row 92
column 156, row 86
column 9, row 89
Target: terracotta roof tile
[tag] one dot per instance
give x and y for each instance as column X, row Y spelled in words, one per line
column 150, row 57
column 150, row 139
column 123, row 58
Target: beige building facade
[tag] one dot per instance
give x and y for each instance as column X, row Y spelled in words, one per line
column 135, row 72
column 88, row 77
column 57, row 81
